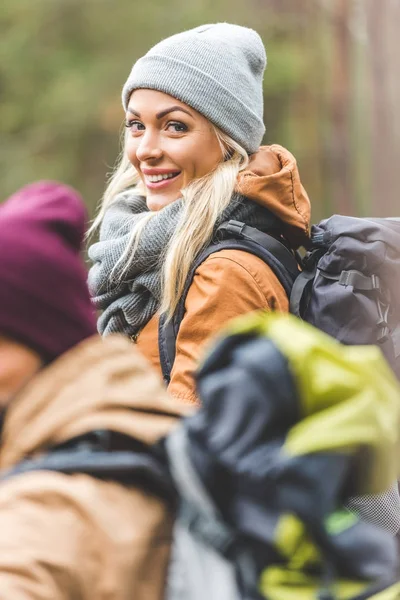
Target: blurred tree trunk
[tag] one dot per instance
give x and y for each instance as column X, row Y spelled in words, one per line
column 340, row 109
column 304, row 109
column 383, row 34
column 394, row 91
column 323, row 92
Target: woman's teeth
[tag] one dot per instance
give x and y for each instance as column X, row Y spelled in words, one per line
column 155, row 178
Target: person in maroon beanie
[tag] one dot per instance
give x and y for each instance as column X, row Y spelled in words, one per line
column 44, row 304
column 68, row 536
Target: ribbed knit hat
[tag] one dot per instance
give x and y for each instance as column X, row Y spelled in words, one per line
column 44, row 300
column 217, row 70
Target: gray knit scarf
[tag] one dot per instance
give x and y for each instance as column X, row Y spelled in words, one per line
column 129, row 304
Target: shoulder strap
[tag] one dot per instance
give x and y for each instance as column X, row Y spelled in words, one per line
column 300, row 294
column 274, row 250
column 80, row 455
column 232, row 235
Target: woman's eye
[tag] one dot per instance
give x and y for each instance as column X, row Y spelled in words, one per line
column 177, row 127
column 134, row 126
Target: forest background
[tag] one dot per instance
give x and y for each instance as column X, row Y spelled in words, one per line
column 332, row 89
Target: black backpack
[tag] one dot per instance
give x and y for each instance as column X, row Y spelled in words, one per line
column 347, row 284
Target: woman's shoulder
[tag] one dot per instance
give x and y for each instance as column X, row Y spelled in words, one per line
column 237, row 268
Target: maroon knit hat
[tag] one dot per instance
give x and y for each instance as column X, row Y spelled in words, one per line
column 44, row 300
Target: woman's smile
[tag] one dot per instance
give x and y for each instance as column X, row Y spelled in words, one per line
column 169, row 143
column 159, row 178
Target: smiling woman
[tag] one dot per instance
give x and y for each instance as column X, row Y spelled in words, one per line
column 191, row 161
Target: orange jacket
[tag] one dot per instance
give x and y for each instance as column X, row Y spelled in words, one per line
column 65, row 537
column 233, row 282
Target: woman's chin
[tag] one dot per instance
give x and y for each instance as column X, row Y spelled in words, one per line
column 156, row 202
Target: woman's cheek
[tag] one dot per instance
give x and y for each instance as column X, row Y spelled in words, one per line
column 131, row 148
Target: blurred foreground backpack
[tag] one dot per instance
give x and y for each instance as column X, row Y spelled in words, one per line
column 292, row 424
column 349, row 286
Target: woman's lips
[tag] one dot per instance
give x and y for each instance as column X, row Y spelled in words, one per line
column 153, row 185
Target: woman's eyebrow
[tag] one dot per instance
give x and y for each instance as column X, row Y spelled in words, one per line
column 163, row 113
column 133, row 112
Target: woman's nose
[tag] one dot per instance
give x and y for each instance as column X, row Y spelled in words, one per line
column 149, row 147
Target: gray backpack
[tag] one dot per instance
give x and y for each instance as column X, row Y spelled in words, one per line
column 350, row 283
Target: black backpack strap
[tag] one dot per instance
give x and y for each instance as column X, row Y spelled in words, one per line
column 300, row 294
column 91, row 454
column 232, row 235
column 278, row 251
column 300, row 291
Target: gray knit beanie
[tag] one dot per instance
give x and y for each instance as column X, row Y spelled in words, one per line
column 217, row 70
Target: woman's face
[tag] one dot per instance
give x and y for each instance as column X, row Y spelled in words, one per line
column 18, row 364
column 169, row 144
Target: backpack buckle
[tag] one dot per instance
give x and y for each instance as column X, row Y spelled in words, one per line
column 311, row 259
column 234, row 228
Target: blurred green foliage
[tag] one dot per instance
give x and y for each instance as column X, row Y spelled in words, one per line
column 63, row 64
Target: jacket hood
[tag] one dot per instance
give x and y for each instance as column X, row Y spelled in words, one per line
column 100, row 384
column 272, row 179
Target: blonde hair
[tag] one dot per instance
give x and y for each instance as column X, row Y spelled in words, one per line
column 204, row 200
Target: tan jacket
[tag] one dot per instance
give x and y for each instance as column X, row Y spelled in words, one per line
column 75, row 537
column 231, row 282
